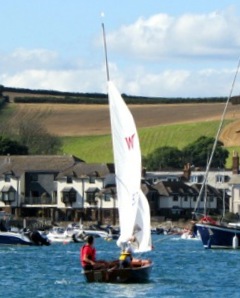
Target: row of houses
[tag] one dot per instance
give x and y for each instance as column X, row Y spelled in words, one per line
column 66, row 188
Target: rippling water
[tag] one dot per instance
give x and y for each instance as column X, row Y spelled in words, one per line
column 182, row 268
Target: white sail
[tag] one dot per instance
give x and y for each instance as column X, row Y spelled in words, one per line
column 134, row 213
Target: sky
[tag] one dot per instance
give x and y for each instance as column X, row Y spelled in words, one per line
column 156, row 48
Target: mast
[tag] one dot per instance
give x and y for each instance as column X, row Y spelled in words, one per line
column 216, row 139
column 105, row 51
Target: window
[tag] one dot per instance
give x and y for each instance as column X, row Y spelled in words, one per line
column 5, row 197
column 8, row 197
column 55, row 197
column 91, row 195
column 196, row 178
column 11, row 196
column 91, row 198
column 219, row 178
column 172, row 179
column 65, row 197
column 8, row 177
column 8, row 194
column 92, row 179
column 175, row 198
column 107, row 197
column 72, row 196
column 222, row 178
column 69, row 196
column 69, row 179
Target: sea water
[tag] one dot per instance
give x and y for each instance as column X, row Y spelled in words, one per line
column 182, row 268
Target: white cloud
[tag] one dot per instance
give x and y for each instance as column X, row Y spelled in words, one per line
column 135, row 81
column 189, row 35
column 61, row 80
column 22, row 59
column 186, row 56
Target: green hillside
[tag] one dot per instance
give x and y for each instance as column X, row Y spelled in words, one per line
column 99, row 148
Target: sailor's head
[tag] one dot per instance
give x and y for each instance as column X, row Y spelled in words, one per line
column 129, row 249
column 90, row 239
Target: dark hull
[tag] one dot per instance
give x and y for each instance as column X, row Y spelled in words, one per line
column 118, row 275
column 9, row 238
column 33, row 238
column 217, row 236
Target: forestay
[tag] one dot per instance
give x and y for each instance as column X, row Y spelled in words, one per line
column 134, row 213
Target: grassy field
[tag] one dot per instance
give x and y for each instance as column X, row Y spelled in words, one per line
column 99, row 148
column 85, row 129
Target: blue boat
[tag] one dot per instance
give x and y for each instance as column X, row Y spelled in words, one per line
column 219, row 236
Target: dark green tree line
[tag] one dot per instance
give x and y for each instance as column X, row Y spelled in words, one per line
column 8, row 146
column 196, row 153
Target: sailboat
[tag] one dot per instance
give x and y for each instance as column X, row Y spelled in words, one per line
column 214, row 234
column 133, row 207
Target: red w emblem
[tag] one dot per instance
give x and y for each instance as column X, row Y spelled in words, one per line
column 130, row 141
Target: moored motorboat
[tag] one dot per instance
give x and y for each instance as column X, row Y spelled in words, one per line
column 95, row 233
column 65, row 235
column 12, row 238
column 23, row 238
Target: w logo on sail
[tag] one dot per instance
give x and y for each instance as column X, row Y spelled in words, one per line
column 130, row 141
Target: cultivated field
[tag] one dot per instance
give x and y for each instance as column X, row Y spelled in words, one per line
column 83, row 120
column 85, row 129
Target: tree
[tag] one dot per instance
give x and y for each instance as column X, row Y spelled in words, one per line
column 28, row 129
column 164, row 157
column 8, row 146
column 38, row 140
column 198, row 153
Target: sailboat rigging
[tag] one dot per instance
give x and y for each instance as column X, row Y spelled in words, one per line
column 214, row 235
column 216, row 140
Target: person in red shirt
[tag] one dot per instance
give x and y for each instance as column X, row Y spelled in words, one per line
column 88, row 254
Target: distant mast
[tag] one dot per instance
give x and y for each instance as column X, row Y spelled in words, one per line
column 105, row 49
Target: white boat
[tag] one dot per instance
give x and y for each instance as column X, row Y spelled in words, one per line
column 14, row 236
column 23, row 238
column 65, row 235
column 96, row 233
column 134, row 213
column 80, row 231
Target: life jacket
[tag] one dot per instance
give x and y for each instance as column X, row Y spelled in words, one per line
column 124, row 255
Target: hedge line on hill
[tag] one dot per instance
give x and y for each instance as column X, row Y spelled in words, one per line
column 51, row 96
column 101, row 100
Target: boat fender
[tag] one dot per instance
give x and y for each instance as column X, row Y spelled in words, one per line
column 235, row 242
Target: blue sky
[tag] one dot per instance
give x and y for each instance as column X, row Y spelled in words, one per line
column 155, row 47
